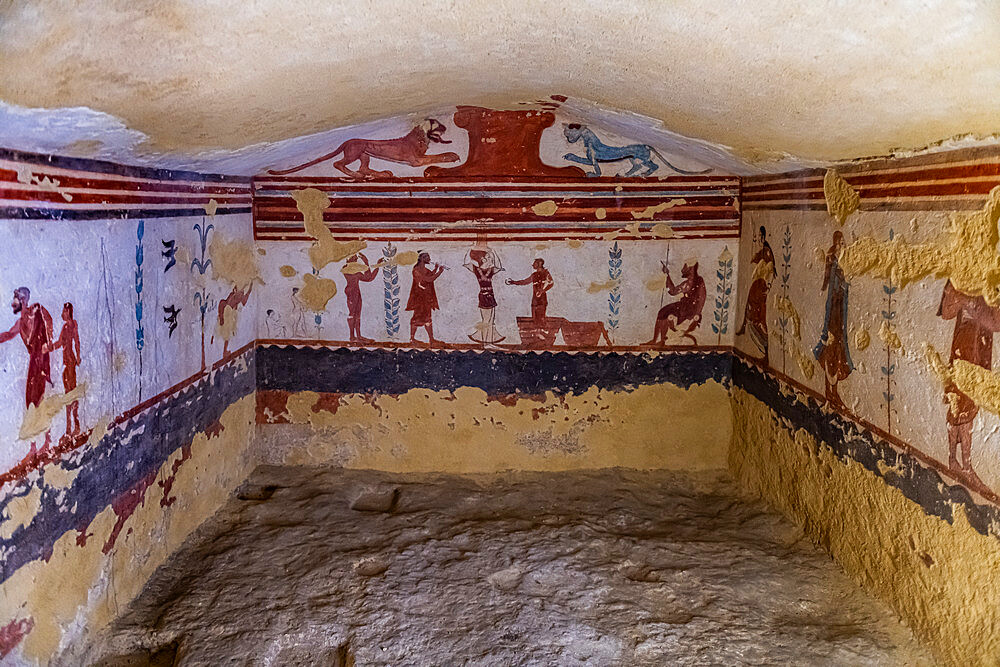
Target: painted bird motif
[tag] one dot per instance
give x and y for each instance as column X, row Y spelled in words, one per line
column 171, row 318
column 168, row 253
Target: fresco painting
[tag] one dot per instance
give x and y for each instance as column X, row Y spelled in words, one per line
column 94, row 424
column 917, row 291
column 514, row 193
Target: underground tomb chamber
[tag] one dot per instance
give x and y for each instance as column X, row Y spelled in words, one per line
column 533, row 382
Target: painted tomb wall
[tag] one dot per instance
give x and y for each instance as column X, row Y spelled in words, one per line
column 864, row 394
column 126, row 382
column 484, row 289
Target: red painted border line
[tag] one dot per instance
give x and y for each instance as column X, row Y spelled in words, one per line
column 38, row 459
column 513, row 349
column 128, row 185
column 971, row 484
column 730, row 233
column 513, row 180
column 78, row 198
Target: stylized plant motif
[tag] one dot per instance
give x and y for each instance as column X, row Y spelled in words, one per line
column 201, row 298
column 889, row 369
column 140, row 334
column 390, row 278
column 784, row 322
column 723, row 293
column 615, row 295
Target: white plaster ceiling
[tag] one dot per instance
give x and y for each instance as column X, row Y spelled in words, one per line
column 760, row 85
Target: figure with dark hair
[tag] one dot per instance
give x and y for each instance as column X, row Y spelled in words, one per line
column 353, row 293
column 34, row 325
column 541, row 282
column 485, row 264
column 69, row 342
column 423, row 297
column 832, row 350
column 755, row 312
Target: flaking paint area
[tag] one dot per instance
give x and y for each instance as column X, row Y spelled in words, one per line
column 469, row 431
column 79, row 589
column 940, row 577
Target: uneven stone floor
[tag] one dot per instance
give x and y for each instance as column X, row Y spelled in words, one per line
column 584, row 568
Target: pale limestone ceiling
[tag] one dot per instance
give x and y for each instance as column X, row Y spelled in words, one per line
column 814, row 81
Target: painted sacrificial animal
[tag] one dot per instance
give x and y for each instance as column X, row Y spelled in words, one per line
column 597, row 152
column 410, row 149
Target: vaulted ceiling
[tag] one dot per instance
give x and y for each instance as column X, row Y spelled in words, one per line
column 768, row 83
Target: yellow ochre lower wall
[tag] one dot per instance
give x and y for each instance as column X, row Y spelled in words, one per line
column 942, row 579
column 465, row 431
column 80, row 589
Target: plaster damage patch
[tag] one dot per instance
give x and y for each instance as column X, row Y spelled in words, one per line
column 841, row 199
column 311, row 203
column 316, row 292
column 287, row 271
column 545, row 208
column 966, row 254
column 37, row 419
column 650, row 211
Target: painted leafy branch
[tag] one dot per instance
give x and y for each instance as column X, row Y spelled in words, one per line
column 784, row 322
column 140, row 333
column 615, row 295
column 888, row 369
column 723, row 293
column 390, row 278
column 201, row 298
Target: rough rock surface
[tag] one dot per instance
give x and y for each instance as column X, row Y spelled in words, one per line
column 584, row 568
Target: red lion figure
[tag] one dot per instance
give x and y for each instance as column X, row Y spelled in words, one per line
column 410, row 149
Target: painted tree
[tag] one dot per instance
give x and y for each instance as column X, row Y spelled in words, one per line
column 615, row 295
column 390, row 279
column 201, row 264
column 140, row 333
column 889, row 368
column 723, row 294
column 784, row 321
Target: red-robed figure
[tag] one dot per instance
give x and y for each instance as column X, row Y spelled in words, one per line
column 353, row 293
column 755, row 313
column 975, row 322
column 34, row 325
column 423, row 298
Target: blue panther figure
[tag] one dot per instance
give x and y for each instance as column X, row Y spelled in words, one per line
column 598, row 152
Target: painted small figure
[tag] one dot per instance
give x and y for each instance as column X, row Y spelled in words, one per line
column 755, row 312
column 972, row 341
column 485, row 265
column 69, row 343
column 687, row 309
column 34, row 325
column 423, row 297
column 832, row 350
column 541, row 282
column 353, row 293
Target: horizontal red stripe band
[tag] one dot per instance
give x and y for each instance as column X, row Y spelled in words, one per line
column 96, row 183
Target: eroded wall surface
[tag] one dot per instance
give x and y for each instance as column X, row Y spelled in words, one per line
column 864, row 389
column 493, row 289
column 126, row 386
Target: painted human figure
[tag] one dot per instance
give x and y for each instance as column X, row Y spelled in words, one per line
column 541, row 282
column 972, row 341
column 273, row 324
column 69, row 342
column 832, row 350
column 34, row 325
column 686, row 309
column 755, row 313
column 423, row 297
column 353, row 293
column 484, row 265
column 298, row 315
